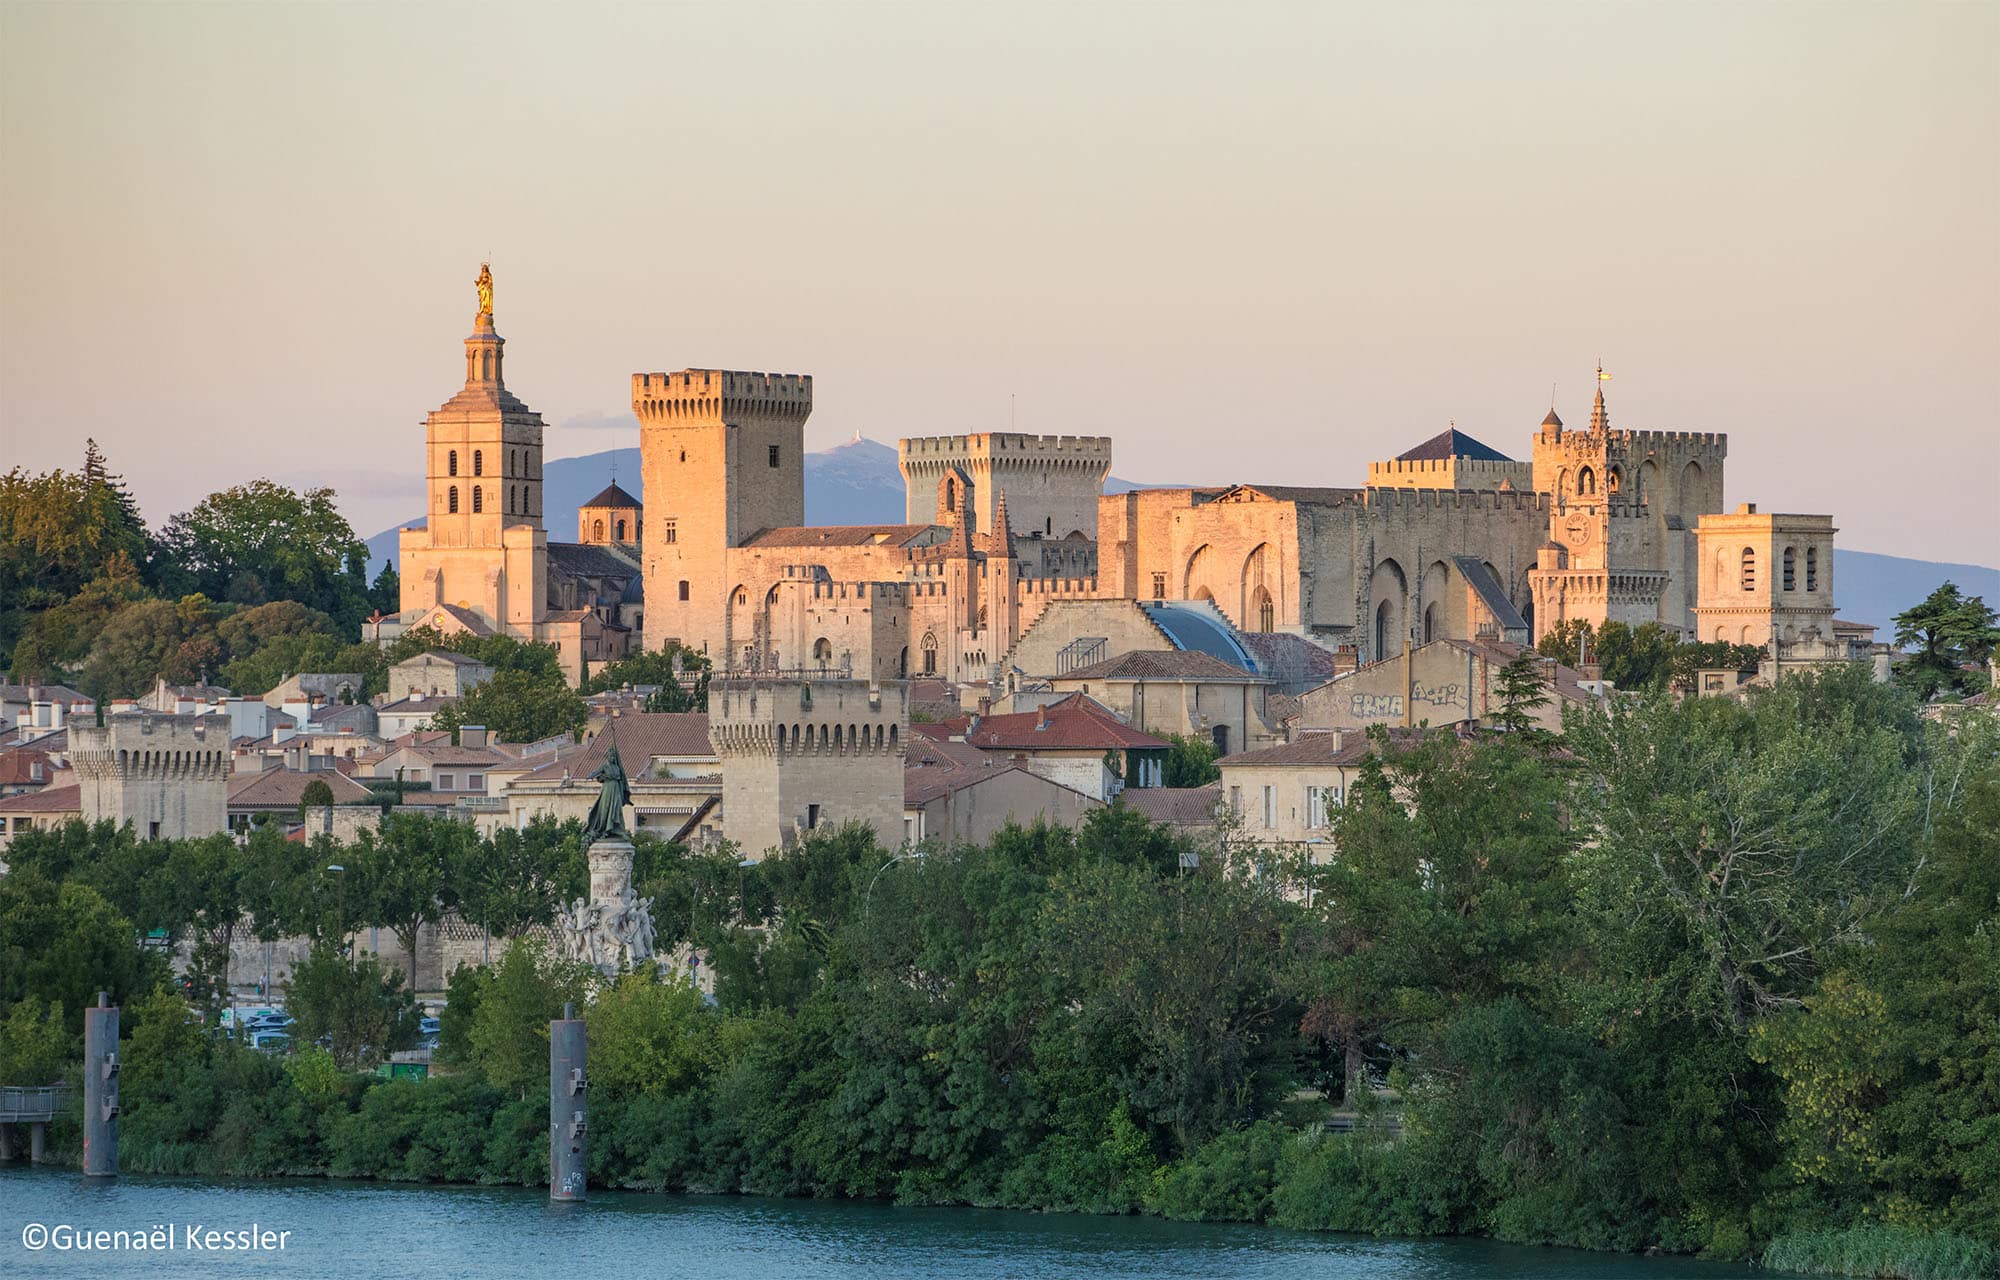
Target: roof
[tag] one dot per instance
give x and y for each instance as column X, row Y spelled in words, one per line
column 1320, row 748
column 444, row 655
column 925, row 783
column 414, row 703
column 838, row 535
column 67, row 799
column 1180, row 806
column 1160, row 664
column 1189, row 626
column 39, row 692
column 285, row 788
column 17, row 768
column 1490, row 594
column 1552, row 420
column 611, row 496
column 1453, row 443
column 1075, row 723
column 588, row 560
column 1312, row 495
column 642, row 736
column 1280, row 655
column 465, row 618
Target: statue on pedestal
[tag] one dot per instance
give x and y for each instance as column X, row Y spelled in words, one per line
column 485, row 286
column 610, row 929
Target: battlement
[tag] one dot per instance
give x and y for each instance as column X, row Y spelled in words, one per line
column 996, row 444
column 1641, row 439
column 147, row 744
column 777, row 716
column 1450, row 473
column 1411, row 500
column 712, row 395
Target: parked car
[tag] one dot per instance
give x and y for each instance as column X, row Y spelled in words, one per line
column 270, row 1042
column 268, row 1021
column 429, row 1026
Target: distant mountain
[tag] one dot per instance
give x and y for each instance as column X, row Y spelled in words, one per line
column 858, row 483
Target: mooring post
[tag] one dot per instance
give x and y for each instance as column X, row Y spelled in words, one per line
column 567, row 1148
column 100, row 1090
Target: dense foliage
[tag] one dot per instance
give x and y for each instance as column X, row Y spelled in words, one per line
column 1950, row 635
column 1702, row 975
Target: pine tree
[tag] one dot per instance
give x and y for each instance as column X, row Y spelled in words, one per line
column 1523, row 692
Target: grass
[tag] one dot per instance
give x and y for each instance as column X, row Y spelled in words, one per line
column 1875, row 1250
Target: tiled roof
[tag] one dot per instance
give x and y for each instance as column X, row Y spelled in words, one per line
column 612, row 496
column 66, row 799
column 444, row 655
column 1281, row 655
column 588, row 560
column 1453, row 443
column 838, row 535
column 1159, row 664
column 943, row 753
column 925, row 783
column 1311, row 495
column 1306, row 749
column 283, row 788
column 1075, row 723
column 641, row 737
column 1180, row 806
column 17, row 768
column 40, row 693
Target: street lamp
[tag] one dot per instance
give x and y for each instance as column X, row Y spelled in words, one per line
column 868, row 898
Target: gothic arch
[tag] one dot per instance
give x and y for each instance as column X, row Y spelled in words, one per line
column 1586, row 482
column 1648, row 484
column 1254, row 596
column 1196, row 572
column 1689, row 497
column 1389, row 594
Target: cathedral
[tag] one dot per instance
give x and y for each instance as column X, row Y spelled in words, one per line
column 1450, row 539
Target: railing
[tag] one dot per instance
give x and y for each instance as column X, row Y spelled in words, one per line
column 30, row 1106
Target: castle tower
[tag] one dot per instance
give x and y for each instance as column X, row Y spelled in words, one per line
column 483, row 547
column 612, row 518
column 1052, row 482
column 804, row 754
column 1765, row 579
column 167, row 775
column 722, row 457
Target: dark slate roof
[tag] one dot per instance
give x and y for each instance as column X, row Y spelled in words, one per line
column 612, row 496
column 1159, row 664
column 838, row 535
column 588, row 560
column 1490, row 593
column 1452, row 443
column 1192, row 628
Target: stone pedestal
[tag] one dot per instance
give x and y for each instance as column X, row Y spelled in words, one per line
column 612, row 929
column 610, row 869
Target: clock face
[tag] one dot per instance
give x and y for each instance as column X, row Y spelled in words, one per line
column 1576, row 530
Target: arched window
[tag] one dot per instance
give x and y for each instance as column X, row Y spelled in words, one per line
column 451, row 463
column 478, row 500
column 1749, row 569
column 950, row 494
column 822, row 651
column 1430, row 623
column 930, row 654
column 478, row 462
column 454, row 500
column 1382, row 630
column 620, row 528
column 1790, row 557
column 1586, row 481
column 597, row 530
column 1614, row 481
column 1812, row 568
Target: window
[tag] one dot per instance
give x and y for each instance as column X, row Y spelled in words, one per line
column 1812, row 568
column 478, row 462
column 950, row 494
column 822, row 651
column 930, row 654
column 152, row 831
column 451, row 464
column 1320, row 803
column 597, row 531
column 454, row 499
column 668, row 535
column 444, row 781
column 1159, row 586
column 475, row 782
column 618, row 528
column 478, row 500
column 1749, row 569
column 1270, row 807
column 1790, row 556
column 1586, row 481
column 774, row 455
column 1236, row 801
column 812, row 816
column 684, row 588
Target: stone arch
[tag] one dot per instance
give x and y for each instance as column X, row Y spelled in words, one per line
column 597, row 530
column 930, row 652
column 619, row 533
column 1436, row 596
column 1812, row 568
column 1389, row 592
column 822, row 651
column 1263, row 614
column 1748, row 563
column 1614, row 480
column 451, row 463
column 1647, row 481
column 1196, row 573
column 1586, row 482
column 1788, row 571
column 478, row 500
column 1562, row 483
column 478, row 462
column 1253, row 592
column 1689, row 497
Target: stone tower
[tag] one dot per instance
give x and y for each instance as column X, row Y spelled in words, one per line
column 722, row 457
column 483, row 547
column 803, row 754
column 1765, row 578
column 1052, row 483
column 1622, row 510
column 612, row 518
column 167, row 775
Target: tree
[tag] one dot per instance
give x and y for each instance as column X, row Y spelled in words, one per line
column 360, row 1007
column 1190, row 761
column 654, row 1033
column 316, row 794
column 262, row 541
column 65, row 943
column 403, row 873
column 36, row 1045
column 509, row 1038
column 1524, row 691
column 680, row 673
column 1568, row 641
column 514, row 880
column 517, row 707
column 1948, row 630
column 385, row 594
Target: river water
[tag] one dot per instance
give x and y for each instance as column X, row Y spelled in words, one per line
column 361, row 1231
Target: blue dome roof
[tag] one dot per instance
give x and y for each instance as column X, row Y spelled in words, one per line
column 1198, row 630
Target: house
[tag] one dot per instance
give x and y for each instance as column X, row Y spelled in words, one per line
column 408, row 715
column 279, row 793
column 323, row 686
column 956, row 793
column 674, row 772
column 1178, row 692
column 27, row 769
column 1286, row 794
column 438, row 673
column 32, row 810
column 1074, row 741
column 1444, row 682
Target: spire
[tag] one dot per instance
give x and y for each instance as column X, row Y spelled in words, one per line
column 1600, row 419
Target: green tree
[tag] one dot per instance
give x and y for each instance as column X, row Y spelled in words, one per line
column 65, row 943
column 651, row 1034
column 508, row 1040
column 316, row 794
column 153, row 639
column 1569, row 641
column 385, row 594
column 36, row 1045
column 1190, row 761
column 403, row 873
column 681, row 674
column 515, row 879
column 517, row 707
column 1947, row 631
column 1524, row 691
column 359, row 1006
column 262, row 541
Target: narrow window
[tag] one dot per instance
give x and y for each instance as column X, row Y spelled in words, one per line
column 1812, row 568
column 774, row 455
column 1159, row 586
column 451, row 465
column 1270, row 807
column 668, row 536
column 1790, row 555
column 478, row 462
column 1749, row 569
column 454, row 499
column 619, row 530
column 478, row 500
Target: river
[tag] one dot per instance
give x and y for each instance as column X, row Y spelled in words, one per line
column 362, row 1231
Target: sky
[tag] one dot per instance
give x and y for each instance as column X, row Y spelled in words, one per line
column 1255, row 242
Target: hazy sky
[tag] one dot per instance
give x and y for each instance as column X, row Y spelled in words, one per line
column 1250, row 242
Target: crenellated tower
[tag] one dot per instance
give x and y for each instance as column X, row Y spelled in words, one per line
column 798, row 755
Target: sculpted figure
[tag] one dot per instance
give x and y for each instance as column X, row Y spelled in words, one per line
column 607, row 818
column 485, row 286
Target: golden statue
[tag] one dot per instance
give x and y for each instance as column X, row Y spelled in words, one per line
column 485, row 285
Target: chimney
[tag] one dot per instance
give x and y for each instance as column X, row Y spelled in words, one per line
column 1041, row 715
column 472, row 735
column 985, row 707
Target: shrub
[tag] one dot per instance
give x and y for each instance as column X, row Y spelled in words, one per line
column 1876, row 1249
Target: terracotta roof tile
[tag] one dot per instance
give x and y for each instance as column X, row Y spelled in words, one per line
column 1075, row 723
